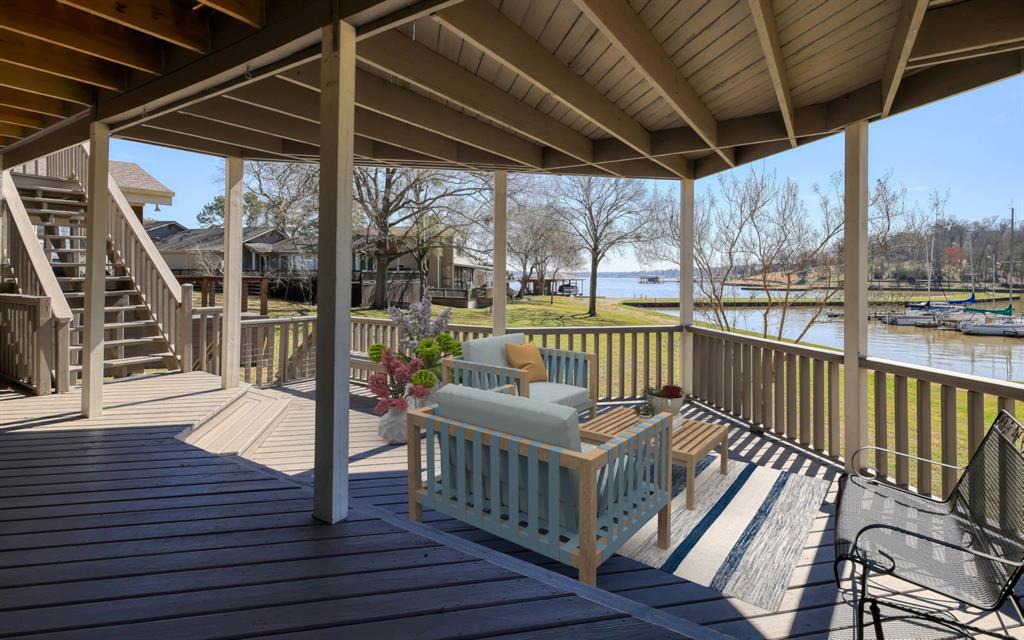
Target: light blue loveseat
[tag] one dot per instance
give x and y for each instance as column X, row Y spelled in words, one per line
column 572, row 375
column 515, row 467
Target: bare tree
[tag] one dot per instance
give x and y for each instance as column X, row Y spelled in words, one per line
column 605, row 214
column 390, row 197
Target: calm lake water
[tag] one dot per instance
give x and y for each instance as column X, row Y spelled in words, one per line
column 993, row 357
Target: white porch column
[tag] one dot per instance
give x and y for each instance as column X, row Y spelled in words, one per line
column 96, row 230
column 855, row 288
column 686, row 188
column 500, row 247
column 334, row 278
column 231, row 320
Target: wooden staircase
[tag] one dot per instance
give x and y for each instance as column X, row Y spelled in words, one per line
column 133, row 338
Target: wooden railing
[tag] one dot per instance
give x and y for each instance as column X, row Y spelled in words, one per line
column 33, row 344
column 917, row 410
column 28, row 265
column 139, row 256
column 791, row 390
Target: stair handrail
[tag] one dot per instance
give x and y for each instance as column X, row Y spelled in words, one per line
column 44, row 282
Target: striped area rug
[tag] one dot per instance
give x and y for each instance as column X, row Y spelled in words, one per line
column 743, row 537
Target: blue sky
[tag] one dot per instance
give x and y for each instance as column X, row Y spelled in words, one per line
column 971, row 144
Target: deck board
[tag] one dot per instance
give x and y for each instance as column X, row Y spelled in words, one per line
column 120, row 532
column 813, row 606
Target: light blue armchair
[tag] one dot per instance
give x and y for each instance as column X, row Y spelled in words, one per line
column 516, row 468
column 572, row 375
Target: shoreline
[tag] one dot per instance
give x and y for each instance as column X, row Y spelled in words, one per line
column 671, row 303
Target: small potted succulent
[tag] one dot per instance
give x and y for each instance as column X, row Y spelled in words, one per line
column 668, row 399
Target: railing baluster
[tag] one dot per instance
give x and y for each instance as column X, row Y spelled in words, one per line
column 924, row 436
column 791, row 397
column 881, row 424
column 818, row 375
column 948, row 433
column 975, row 420
column 780, row 392
column 805, row 401
column 834, row 424
column 902, row 429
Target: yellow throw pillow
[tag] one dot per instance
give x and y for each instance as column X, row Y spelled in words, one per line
column 527, row 356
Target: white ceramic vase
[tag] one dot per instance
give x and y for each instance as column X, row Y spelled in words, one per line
column 666, row 405
column 391, row 427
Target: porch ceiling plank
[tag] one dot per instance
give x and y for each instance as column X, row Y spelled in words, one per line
column 143, row 133
column 277, row 94
column 376, row 94
column 11, row 97
column 634, row 40
column 768, row 35
column 21, row 118
column 248, row 11
column 69, row 28
column 227, row 134
column 488, row 29
column 402, row 16
column 380, row 128
column 907, row 29
column 163, row 19
column 399, row 55
column 966, row 29
column 44, row 84
column 35, row 54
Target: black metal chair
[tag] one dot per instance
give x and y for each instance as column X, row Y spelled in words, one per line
column 968, row 547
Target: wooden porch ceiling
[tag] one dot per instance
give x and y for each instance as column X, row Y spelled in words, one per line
column 650, row 88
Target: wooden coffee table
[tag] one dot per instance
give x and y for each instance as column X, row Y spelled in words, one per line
column 691, row 441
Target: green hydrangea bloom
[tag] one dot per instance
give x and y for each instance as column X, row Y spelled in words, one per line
column 425, row 346
column 376, row 351
column 424, row 378
column 447, row 343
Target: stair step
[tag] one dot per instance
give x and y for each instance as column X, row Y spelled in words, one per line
column 82, row 278
column 48, row 236
column 130, row 324
column 133, row 361
column 55, row 213
column 113, row 292
column 126, row 342
column 130, row 307
column 72, row 202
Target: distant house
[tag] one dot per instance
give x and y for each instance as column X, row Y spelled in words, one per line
column 192, row 252
column 268, row 252
column 139, row 187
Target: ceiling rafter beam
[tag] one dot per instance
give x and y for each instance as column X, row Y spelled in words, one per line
column 226, row 134
column 966, row 28
column 185, row 142
column 35, row 54
column 165, row 20
column 620, row 24
column 400, row 56
column 44, row 84
column 248, row 11
column 21, row 118
column 381, row 96
column 489, row 30
column 907, row 28
column 69, row 28
column 768, row 35
column 35, row 103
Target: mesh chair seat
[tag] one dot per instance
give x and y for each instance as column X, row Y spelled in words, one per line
column 969, row 547
column 958, row 574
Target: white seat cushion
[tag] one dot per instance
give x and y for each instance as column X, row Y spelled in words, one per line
column 566, row 395
column 490, row 350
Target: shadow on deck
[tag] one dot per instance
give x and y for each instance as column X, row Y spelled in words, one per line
column 813, row 606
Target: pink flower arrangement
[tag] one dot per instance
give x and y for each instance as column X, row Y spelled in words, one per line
column 394, row 385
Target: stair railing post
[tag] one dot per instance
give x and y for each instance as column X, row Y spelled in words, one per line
column 43, row 347
column 185, row 329
column 855, row 286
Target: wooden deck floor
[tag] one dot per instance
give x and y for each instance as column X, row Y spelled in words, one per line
column 116, row 528
column 813, row 607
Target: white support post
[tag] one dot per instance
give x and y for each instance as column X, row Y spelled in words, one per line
column 231, row 319
column 686, row 189
column 96, row 230
column 334, row 286
column 500, row 247
column 855, row 289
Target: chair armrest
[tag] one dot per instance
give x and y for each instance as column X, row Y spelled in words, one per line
column 484, row 376
column 930, row 540
column 877, row 476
